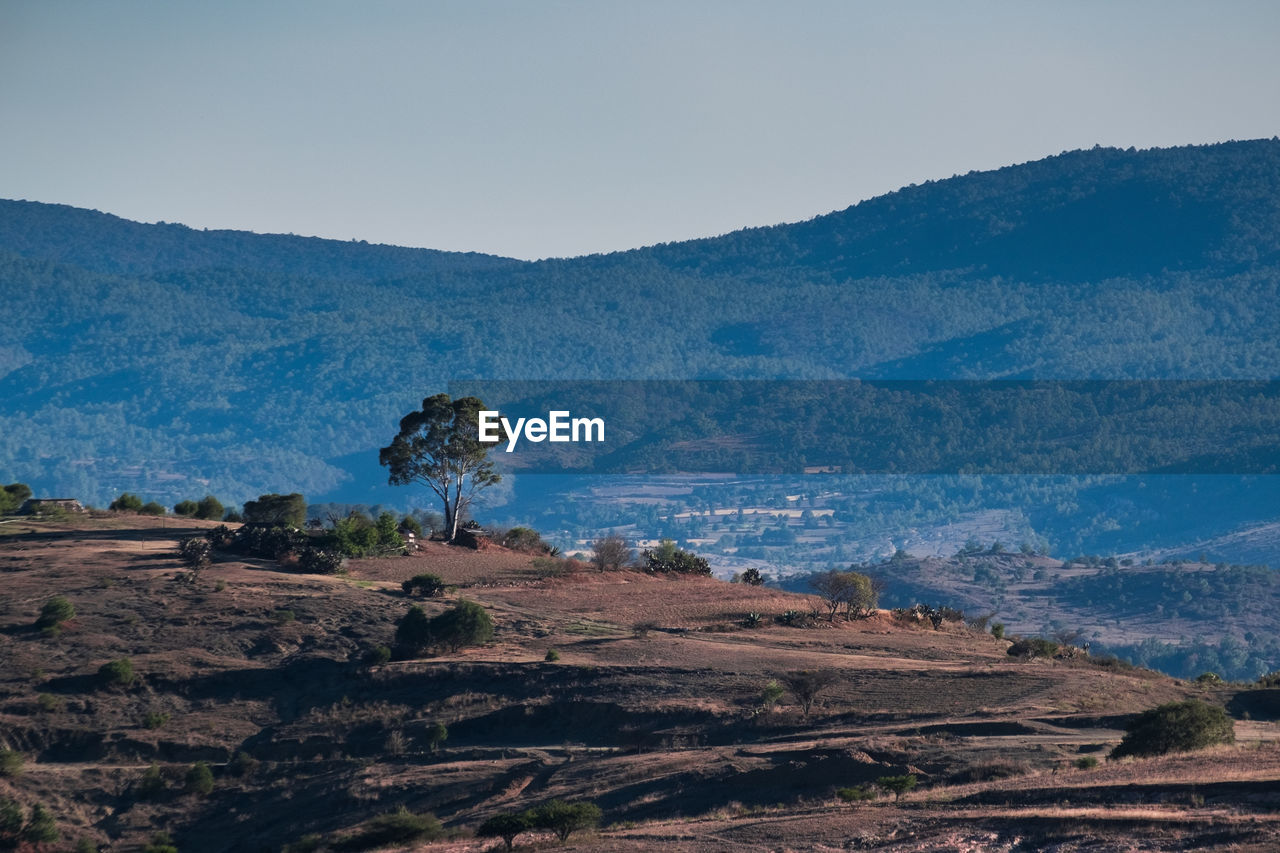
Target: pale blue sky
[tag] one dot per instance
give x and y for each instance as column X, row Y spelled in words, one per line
column 538, row 129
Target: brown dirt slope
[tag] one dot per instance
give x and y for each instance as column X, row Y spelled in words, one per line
column 653, row 711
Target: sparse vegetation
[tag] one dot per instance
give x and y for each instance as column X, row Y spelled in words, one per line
column 1086, row 762
column 155, row 719
column 11, row 762
column 152, row 784
column 161, row 842
column 552, row 656
column 1033, row 647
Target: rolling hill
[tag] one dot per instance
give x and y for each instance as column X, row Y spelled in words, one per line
column 656, row 710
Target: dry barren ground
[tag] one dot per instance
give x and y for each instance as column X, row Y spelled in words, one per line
column 653, row 712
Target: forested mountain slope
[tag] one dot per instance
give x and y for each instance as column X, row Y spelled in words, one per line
column 170, row 361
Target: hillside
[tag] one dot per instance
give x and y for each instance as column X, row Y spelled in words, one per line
column 164, row 360
column 652, row 711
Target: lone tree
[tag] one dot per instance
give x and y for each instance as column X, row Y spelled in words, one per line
column 504, row 826
column 806, row 684
column 440, row 447
column 611, row 553
column 564, row 818
column 898, row 785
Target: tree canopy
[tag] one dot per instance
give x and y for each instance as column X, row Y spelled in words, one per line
column 439, row 446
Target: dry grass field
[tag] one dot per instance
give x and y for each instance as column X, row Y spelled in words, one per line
column 653, row 711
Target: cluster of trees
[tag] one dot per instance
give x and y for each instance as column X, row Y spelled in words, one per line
column 559, row 816
column 464, row 624
column 855, row 592
column 208, row 508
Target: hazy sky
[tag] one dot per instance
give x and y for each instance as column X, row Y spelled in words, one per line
column 535, row 129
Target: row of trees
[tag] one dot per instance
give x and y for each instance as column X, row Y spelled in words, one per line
column 558, row 816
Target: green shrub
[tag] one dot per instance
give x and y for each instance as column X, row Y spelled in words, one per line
column 48, row 702
column 752, row 620
column 199, row 780
column 11, row 762
column 377, row 656
column 284, row 617
column 186, row 509
column 55, row 611
column 160, row 842
column 40, row 828
column 1176, row 727
column 464, row 624
column 552, row 656
column 155, row 719
column 858, row 793
column 152, row 508
column 1209, row 679
column 10, row 820
column 997, row 630
column 524, row 539
column 413, row 632
column 152, row 784
column 117, row 673
column 1087, row 762
column 436, row 735
column 242, row 765
column 771, row 695
column 400, row 828
column 425, row 584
